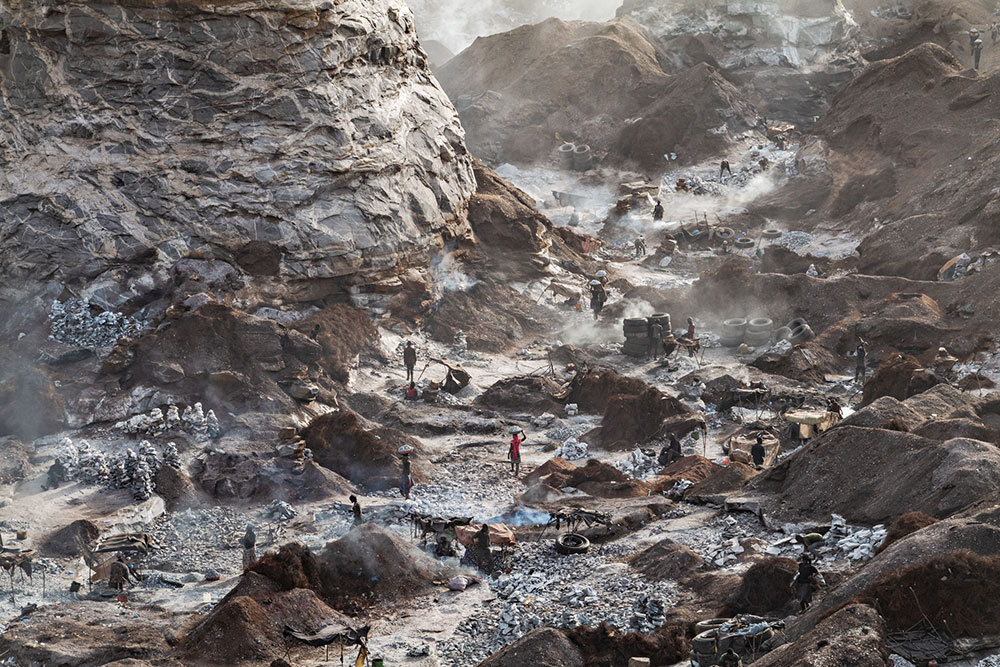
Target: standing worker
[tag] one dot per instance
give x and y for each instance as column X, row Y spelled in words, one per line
column 803, row 582
column 356, row 510
column 640, row 246
column 410, row 359
column 514, row 453
column 658, row 211
column 407, row 481
column 757, row 452
column 977, row 51
column 861, row 356
column 118, row 574
column 724, row 167
column 249, row 544
column 484, row 554
column 598, row 297
column 973, row 36
column 655, row 339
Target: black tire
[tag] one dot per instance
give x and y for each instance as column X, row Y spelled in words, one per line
column 796, row 323
column 744, row 243
column 757, row 338
column 635, row 321
column 710, row 624
column 771, row 234
column 572, row 543
column 802, row 334
column 782, row 333
column 710, row 642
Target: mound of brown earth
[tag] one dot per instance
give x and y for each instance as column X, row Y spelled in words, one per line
column 553, row 472
column 605, row 645
column 946, row 429
column 493, row 316
column 344, row 443
column 905, row 524
column 902, row 472
column 343, row 333
column 544, row 647
column 631, row 419
column 900, row 377
column 528, row 393
column 367, row 566
column 666, row 560
column 595, row 478
column 867, row 160
column 724, row 479
column 592, row 391
column 519, row 95
column 176, row 488
column 941, row 401
column 955, row 590
column 855, row 636
column 976, row 530
column 692, row 468
column 764, row 588
column 72, row 540
column 808, row 363
column 15, row 460
column 248, row 624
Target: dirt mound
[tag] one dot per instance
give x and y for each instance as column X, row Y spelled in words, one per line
column 957, row 591
column 544, row 647
column 634, row 419
column 15, row 460
column 595, row 478
column 493, row 316
column 342, row 332
column 853, row 637
column 905, row 524
column 71, row 541
column 519, row 96
column 976, row 530
column 809, row 362
column 900, row 377
column 553, row 472
column 724, row 479
column 666, row 560
column 526, row 393
column 692, row 468
column 248, row 623
column 904, row 472
column 946, row 429
column 592, row 391
column 344, row 443
column 367, row 566
column 176, row 488
column 764, row 588
column 605, row 645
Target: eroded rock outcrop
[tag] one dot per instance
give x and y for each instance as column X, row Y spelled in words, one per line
column 299, row 140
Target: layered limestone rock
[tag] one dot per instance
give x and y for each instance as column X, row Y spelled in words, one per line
column 297, row 140
column 789, row 56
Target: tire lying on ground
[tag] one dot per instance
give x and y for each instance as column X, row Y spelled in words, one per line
column 572, row 543
column 782, row 333
column 760, row 324
column 744, row 243
column 796, row 323
column 801, row 334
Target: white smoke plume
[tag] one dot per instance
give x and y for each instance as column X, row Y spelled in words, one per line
column 457, row 23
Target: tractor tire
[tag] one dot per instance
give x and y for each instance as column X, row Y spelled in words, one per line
column 710, row 624
column 572, row 543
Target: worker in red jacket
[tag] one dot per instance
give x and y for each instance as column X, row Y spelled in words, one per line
column 514, row 453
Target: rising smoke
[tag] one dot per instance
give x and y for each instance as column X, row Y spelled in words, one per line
column 457, row 23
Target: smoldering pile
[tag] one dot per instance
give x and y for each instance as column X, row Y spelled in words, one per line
column 193, row 421
column 128, row 470
column 74, row 322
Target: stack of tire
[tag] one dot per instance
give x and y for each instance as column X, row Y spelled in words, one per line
column 636, row 330
column 566, row 155
column 583, row 159
column 758, row 332
column 712, row 641
column 733, row 332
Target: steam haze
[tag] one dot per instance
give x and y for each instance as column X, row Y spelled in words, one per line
column 457, row 23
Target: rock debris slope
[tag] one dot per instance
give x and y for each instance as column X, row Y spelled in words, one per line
column 136, row 134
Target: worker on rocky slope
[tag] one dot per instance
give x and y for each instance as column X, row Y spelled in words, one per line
column 860, row 360
column 249, row 544
column 410, row 360
column 757, row 452
column 655, row 340
column 598, row 297
column 724, row 167
column 977, row 51
column 730, row 659
column 407, row 481
column 805, row 579
column 658, row 211
column 356, row 510
column 973, row 36
column 640, row 246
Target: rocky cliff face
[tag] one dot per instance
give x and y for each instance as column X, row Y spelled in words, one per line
column 295, row 140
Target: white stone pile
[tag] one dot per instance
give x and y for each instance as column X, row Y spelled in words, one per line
column 127, row 470
column 580, row 596
column 279, row 510
column 855, row 543
column 572, row 450
column 544, row 420
column 648, row 614
column 193, row 421
column 639, row 466
column 73, row 323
